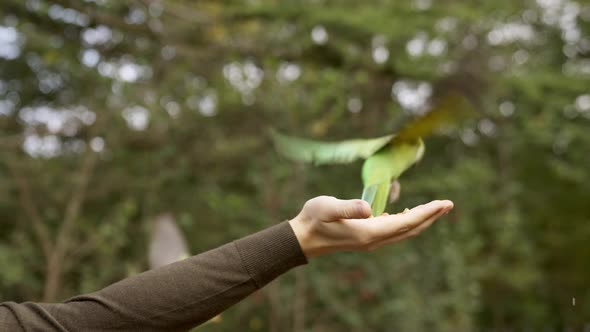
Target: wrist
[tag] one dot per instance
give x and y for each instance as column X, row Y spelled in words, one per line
column 304, row 234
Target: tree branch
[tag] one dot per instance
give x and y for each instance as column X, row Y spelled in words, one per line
column 74, row 205
column 30, row 208
column 56, row 262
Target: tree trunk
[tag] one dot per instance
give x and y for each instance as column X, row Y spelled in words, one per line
column 53, row 279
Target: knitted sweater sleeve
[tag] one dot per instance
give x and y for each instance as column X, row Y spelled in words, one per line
column 176, row 297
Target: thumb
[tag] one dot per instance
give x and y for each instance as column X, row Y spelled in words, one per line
column 337, row 209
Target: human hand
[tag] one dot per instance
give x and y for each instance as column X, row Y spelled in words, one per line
column 327, row 224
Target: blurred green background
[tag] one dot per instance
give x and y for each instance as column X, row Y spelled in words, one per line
column 114, row 112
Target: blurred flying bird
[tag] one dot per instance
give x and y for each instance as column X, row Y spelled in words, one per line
column 386, row 157
column 167, row 244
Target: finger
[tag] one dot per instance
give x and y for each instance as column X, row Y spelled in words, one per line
column 392, row 225
column 330, row 209
column 411, row 233
column 349, row 209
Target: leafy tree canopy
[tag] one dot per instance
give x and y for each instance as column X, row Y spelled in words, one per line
column 114, row 112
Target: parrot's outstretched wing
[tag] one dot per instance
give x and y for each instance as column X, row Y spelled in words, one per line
column 385, row 166
column 318, row 153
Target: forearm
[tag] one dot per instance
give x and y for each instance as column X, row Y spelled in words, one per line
column 182, row 295
column 175, row 297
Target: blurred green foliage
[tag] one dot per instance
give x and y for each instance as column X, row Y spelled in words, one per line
column 112, row 112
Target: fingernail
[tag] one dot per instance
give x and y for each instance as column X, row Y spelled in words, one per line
column 363, row 208
column 448, row 209
column 443, row 211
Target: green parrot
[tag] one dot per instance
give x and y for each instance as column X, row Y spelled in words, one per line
column 386, row 157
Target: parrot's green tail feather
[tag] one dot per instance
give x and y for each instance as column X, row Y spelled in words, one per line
column 377, row 196
column 369, row 194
